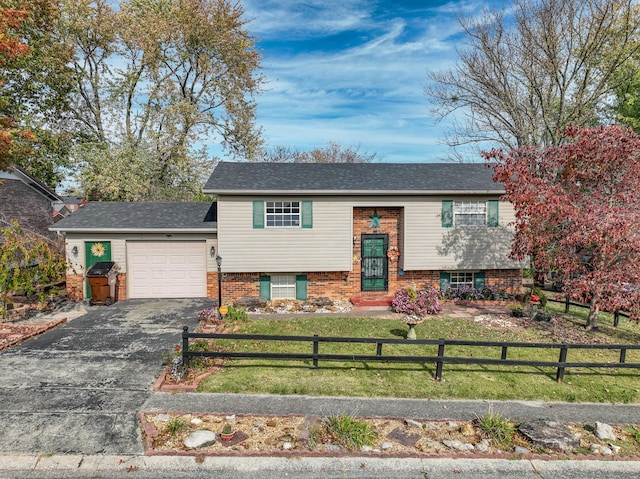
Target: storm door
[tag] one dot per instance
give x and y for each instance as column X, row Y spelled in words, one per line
column 375, row 272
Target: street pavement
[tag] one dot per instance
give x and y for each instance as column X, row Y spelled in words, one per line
column 69, row 401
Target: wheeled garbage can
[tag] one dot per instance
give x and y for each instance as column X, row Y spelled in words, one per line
column 102, row 278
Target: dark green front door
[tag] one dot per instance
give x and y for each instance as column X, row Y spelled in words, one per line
column 95, row 251
column 374, row 276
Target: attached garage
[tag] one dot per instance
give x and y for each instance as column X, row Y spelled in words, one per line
column 171, row 269
column 162, row 250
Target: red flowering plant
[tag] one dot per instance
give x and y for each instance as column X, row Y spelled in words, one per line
column 414, row 302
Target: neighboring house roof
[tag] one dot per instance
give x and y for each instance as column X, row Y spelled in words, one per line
column 15, row 172
column 141, row 217
column 352, row 178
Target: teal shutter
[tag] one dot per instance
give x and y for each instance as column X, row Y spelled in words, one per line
column 479, row 280
column 445, row 280
column 301, row 287
column 492, row 216
column 307, row 213
column 258, row 214
column 447, row 213
column 265, row 287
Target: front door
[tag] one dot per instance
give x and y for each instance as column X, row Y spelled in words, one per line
column 95, row 251
column 375, row 272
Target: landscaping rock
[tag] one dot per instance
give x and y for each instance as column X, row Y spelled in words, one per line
column 401, row 437
column 200, row 439
column 604, row 431
column 251, row 303
column 458, row 445
column 550, row 435
column 482, row 446
column 323, row 302
column 436, row 446
column 163, row 418
column 520, row 450
column 386, row 445
column 412, row 423
column 600, row 449
column 332, row 448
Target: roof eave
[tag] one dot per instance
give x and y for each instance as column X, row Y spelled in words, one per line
column 213, row 229
column 354, row 192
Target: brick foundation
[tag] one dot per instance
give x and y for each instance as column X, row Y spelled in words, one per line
column 75, row 287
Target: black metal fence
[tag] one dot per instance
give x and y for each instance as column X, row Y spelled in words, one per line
column 440, row 359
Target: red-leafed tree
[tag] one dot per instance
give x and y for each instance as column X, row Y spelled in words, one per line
column 578, row 213
column 11, row 47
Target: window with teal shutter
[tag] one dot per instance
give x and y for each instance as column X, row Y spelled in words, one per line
column 447, row 213
column 307, row 214
column 445, row 280
column 258, row 214
column 301, row 287
column 479, row 280
column 492, row 213
column 265, row 287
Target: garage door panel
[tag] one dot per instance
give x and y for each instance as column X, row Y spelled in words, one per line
column 171, row 269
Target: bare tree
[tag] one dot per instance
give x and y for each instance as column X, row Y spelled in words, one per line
column 526, row 74
column 332, row 153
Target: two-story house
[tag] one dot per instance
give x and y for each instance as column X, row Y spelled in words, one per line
column 294, row 230
column 291, row 230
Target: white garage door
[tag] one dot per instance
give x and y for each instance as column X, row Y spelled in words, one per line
column 171, row 269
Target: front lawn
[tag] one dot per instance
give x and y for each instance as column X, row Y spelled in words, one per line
column 410, row 380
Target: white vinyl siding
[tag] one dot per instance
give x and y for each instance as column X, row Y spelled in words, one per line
column 327, row 246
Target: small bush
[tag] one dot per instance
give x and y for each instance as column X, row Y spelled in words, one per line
column 350, row 432
column 416, row 303
column 236, row 315
column 176, row 425
column 497, row 428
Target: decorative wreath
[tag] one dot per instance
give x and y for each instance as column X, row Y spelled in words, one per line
column 97, row 250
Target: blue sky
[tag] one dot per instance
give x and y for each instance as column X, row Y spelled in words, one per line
column 354, row 72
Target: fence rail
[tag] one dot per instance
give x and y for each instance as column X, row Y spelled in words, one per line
column 567, row 303
column 440, row 359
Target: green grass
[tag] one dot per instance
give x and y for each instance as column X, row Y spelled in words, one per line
column 411, row 380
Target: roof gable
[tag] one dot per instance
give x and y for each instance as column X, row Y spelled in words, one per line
column 351, row 178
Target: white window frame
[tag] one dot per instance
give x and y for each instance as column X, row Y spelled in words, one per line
column 461, row 279
column 283, row 286
column 283, row 214
column 470, row 213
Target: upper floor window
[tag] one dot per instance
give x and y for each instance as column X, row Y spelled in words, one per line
column 469, row 213
column 283, row 214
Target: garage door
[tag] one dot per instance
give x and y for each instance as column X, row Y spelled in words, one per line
column 172, row 269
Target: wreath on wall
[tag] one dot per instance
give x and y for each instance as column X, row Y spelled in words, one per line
column 98, row 250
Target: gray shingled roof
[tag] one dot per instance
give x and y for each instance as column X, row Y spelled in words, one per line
column 352, row 178
column 121, row 216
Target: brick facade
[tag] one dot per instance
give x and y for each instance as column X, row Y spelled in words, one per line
column 345, row 284
column 33, row 211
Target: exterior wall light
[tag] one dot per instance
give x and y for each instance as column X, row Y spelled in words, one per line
column 74, row 250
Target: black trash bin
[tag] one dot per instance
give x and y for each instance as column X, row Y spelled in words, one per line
column 102, row 278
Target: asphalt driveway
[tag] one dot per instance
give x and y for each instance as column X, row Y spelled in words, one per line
column 76, row 389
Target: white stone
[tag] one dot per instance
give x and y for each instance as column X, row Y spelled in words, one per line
column 604, row 431
column 199, row 439
column 287, row 445
column 163, row 418
column 386, row 445
column 615, row 449
column 366, row 449
column 231, row 418
column 196, row 421
column 482, row 446
column 456, row 445
column 521, row 450
column 412, row 423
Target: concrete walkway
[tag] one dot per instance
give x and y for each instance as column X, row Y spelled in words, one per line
column 69, row 401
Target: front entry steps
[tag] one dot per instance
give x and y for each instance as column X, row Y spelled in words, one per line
column 378, row 300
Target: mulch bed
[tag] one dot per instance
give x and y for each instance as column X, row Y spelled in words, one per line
column 14, row 333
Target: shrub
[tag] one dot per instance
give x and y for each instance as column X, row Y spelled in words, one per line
column 416, row 303
column 497, row 428
column 236, row 314
column 350, row 432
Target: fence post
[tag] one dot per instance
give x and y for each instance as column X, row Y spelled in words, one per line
column 562, row 360
column 623, row 355
column 378, row 349
column 504, row 353
column 185, row 346
column 315, row 351
column 566, row 304
column 440, row 360
column 616, row 318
